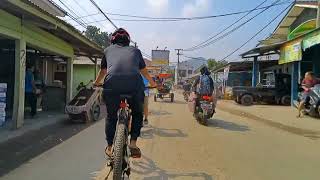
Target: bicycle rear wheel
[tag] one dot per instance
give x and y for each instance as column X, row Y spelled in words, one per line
column 119, row 146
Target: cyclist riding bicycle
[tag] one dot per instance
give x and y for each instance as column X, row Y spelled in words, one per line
column 121, row 69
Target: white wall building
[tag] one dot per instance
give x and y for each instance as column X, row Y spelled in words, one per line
column 189, row 68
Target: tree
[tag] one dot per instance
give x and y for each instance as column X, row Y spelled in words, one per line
column 214, row 64
column 96, row 35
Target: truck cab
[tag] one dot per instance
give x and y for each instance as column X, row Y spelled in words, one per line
column 274, row 89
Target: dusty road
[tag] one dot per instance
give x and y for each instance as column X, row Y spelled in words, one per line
column 176, row 147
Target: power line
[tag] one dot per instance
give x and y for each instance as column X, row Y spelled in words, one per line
column 132, row 20
column 211, row 41
column 184, row 18
column 84, row 9
column 217, row 34
column 74, row 16
column 270, row 22
column 104, row 14
column 229, row 32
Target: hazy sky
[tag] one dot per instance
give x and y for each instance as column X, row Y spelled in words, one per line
column 182, row 34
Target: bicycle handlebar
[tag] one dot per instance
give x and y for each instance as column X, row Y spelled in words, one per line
column 148, row 87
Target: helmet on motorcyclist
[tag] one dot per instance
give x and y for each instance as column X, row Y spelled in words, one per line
column 205, row 71
column 120, row 37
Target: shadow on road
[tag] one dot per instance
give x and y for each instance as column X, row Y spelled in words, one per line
column 149, row 132
column 21, row 149
column 147, row 168
column 221, row 124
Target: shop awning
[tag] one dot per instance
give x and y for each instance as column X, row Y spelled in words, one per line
column 311, row 39
column 262, row 51
column 281, row 32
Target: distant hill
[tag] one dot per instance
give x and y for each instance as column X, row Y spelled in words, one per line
column 193, row 63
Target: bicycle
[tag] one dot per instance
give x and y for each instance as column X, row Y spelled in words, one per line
column 120, row 159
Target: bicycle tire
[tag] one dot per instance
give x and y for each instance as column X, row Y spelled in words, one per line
column 119, row 152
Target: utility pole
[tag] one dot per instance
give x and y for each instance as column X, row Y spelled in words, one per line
column 178, row 65
column 318, row 15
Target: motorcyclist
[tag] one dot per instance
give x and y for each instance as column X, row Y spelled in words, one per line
column 187, row 86
column 121, row 69
column 308, row 82
column 201, row 87
column 186, row 89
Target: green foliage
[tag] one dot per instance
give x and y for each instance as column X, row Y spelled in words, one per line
column 95, row 34
column 214, row 64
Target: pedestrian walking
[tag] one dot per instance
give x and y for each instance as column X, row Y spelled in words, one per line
column 30, row 90
column 146, row 101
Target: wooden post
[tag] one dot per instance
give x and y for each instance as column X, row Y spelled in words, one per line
column 294, row 82
column 19, row 86
column 255, row 70
column 69, row 79
column 95, row 67
column 318, row 15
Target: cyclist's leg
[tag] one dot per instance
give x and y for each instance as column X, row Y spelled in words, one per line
column 112, row 104
column 136, row 104
column 146, row 109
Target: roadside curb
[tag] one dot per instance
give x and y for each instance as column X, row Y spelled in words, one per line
column 12, row 134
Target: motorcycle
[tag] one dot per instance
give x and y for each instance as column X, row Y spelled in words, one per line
column 204, row 109
column 312, row 106
column 186, row 95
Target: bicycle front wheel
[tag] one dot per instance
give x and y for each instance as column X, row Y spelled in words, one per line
column 119, row 146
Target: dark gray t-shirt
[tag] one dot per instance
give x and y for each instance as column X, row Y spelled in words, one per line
column 123, row 65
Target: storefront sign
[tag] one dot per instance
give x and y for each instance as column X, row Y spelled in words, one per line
column 291, row 52
column 311, row 40
column 160, row 57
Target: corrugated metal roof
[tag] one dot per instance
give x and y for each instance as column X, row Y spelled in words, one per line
column 50, row 7
column 263, row 50
column 281, row 31
column 82, row 45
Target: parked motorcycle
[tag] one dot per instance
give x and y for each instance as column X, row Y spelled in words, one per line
column 312, row 106
column 204, row 109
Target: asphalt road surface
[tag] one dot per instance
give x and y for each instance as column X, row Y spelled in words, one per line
column 175, row 146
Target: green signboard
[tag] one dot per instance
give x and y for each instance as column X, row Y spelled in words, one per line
column 311, row 40
column 291, row 52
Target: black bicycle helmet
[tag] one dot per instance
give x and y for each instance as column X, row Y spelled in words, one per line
column 205, row 71
column 120, row 37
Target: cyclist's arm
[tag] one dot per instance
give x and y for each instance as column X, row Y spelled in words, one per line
column 102, row 73
column 195, row 83
column 143, row 69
